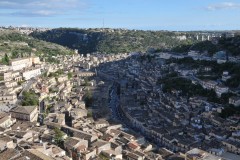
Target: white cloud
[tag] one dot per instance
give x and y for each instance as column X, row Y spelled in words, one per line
column 223, row 5
column 41, row 7
column 44, row 12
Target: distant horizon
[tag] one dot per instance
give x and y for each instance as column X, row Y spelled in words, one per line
column 171, row 15
column 237, row 30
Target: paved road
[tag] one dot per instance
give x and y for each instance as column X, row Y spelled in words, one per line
column 114, row 105
column 26, row 87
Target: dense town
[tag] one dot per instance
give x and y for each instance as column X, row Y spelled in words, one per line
column 123, row 106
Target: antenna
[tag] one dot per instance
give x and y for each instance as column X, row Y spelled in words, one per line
column 103, row 23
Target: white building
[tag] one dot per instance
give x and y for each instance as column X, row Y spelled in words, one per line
column 8, row 98
column 31, row 72
column 4, row 68
column 225, row 76
column 209, row 84
column 36, row 60
column 20, row 63
column 220, row 89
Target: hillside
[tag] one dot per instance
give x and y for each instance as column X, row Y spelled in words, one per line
column 15, row 45
column 230, row 45
column 110, row 40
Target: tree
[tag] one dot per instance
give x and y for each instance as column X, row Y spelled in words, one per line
column 30, row 98
column 58, row 138
column 5, row 59
column 90, row 114
column 70, row 75
column 88, row 98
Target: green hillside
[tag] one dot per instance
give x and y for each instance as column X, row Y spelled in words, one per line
column 110, row 40
column 15, row 45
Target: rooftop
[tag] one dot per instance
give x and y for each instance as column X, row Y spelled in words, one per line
column 23, row 109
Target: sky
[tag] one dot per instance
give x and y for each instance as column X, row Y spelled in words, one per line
column 177, row 15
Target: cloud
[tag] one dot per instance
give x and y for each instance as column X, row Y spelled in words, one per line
column 41, row 8
column 223, row 5
column 39, row 13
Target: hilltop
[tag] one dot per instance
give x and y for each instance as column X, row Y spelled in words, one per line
column 16, row 45
column 111, row 40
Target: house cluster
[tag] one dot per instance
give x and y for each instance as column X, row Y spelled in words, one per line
column 176, row 122
column 191, row 73
column 220, row 57
column 14, row 75
column 25, row 30
column 93, row 60
column 66, row 126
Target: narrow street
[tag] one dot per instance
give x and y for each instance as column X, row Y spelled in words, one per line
column 114, row 103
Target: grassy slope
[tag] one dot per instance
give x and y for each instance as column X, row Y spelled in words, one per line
column 14, row 45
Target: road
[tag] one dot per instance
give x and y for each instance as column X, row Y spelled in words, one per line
column 114, row 103
column 26, row 87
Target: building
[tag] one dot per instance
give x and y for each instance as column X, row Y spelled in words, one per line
column 234, row 101
column 225, row 76
column 27, row 113
column 165, row 55
column 86, row 74
column 209, row 84
column 220, row 89
column 73, row 142
column 36, row 60
column 101, row 123
column 20, row 63
column 6, row 120
column 197, row 154
column 12, row 75
column 62, row 78
column 3, row 68
column 8, row 98
column 101, row 145
column 232, row 146
column 7, row 76
column 11, row 84
column 31, row 72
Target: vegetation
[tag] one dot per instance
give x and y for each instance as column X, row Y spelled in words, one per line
column 172, row 81
column 58, row 139
column 217, row 69
column 234, row 81
column 186, row 88
column 230, row 110
column 110, row 41
column 18, row 45
column 88, row 98
column 56, row 74
column 20, row 82
column 70, row 75
column 5, row 60
column 86, row 82
column 30, row 98
column 207, row 46
column 89, row 114
column 231, row 45
column 103, row 157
